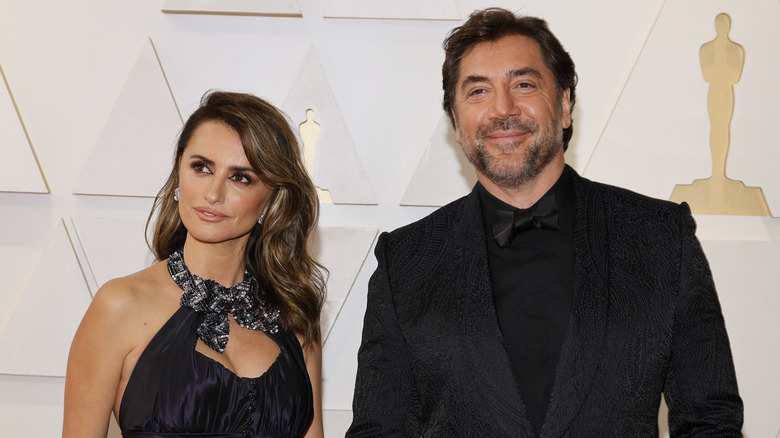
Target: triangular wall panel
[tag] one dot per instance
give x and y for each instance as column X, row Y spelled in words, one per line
column 25, row 174
column 279, row 8
column 38, row 336
column 394, row 9
column 134, row 152
column 336, row 422
column 444, row 173
column 748, row 294
column 114, row 247
column 337, row 166
column 659, row 133
column 342, row 250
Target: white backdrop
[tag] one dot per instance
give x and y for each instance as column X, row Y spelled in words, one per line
column 87, row 105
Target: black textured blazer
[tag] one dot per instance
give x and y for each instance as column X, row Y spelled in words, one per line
column 645, row 320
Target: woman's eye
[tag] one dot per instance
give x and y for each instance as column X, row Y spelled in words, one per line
column 200, row 167
column 240, row 177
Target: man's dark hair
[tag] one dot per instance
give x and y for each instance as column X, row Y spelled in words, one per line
column 492, row 24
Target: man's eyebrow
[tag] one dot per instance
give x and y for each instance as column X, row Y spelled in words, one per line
column 475, row 79
column 527, row 71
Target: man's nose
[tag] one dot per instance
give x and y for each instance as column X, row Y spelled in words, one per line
column 504, row 104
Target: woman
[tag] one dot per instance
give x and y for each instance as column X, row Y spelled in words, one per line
column 220, row 337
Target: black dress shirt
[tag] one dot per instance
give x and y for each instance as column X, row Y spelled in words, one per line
column 532, row 282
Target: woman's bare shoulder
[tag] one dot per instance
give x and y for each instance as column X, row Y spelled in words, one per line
column 137, row 293
column 122, row 318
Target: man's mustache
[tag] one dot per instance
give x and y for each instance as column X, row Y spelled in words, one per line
column 509, row 124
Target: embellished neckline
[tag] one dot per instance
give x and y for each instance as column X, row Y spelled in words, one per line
column 245, row 301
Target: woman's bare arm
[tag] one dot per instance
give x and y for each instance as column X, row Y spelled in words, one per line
column 312, row 354
column 95, row 362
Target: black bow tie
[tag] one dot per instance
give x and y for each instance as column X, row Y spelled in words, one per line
column 507, row 223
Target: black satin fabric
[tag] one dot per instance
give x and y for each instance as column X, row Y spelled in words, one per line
column 175, row 391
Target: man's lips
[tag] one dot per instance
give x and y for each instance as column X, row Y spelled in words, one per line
column 210, row 215
column 501, row 136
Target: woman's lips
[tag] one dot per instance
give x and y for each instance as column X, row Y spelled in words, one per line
column 209, row 215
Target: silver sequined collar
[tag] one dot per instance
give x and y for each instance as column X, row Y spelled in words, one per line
column 245, row 301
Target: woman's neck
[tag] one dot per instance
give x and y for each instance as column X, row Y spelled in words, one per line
column 223, row 263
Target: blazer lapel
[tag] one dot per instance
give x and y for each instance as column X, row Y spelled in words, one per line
column 586, row 333
column 487, row 364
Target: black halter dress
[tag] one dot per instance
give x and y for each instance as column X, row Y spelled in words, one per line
column 175, row 391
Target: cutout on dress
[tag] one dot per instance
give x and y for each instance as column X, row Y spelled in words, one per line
column 222, row 360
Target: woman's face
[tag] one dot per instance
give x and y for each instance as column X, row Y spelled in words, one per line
column 221, row 197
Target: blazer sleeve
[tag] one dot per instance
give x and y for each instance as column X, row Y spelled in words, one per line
column 701, row 385
column 383, row 387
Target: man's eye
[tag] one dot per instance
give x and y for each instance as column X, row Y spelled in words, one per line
column 477, row 92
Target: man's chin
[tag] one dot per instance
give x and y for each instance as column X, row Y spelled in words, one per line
column 507, row 147
column 508, row 176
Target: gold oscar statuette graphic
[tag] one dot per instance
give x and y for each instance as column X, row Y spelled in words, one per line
column 721, row 64
column 310, row 133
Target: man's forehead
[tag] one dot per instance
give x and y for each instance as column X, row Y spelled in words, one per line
column 519, row 49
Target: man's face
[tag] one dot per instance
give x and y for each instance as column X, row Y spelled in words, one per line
column 509, row 119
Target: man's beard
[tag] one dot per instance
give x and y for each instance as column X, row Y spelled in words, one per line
column 513, row 172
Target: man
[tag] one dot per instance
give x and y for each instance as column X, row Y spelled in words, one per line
column 541, row 304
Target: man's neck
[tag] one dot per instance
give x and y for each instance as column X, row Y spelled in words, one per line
column 526, row 195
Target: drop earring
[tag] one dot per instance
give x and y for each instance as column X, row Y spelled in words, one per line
column 176, row 194
column 260, row 220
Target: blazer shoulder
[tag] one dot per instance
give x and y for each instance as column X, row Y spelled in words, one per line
column 433, row 226
column 625, row 205
column 627, row 224
column 427, row 239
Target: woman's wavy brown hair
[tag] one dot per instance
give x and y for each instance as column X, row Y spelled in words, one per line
column 277, row 252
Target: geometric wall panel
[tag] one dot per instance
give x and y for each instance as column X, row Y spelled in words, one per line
column 278, row 8
column 339, row 354
column 114, row 247
column 659, row 131
column 395, row 9
column 342, row 250
column 335, row 422
column 24, row 175
column 31, row 406
column 746, row 277
column 134, row 152
column 337, row 167
column 38, row 336
column 444, row 172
